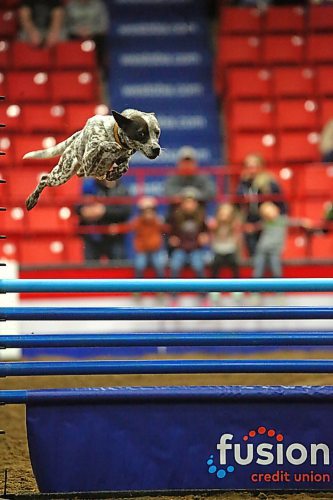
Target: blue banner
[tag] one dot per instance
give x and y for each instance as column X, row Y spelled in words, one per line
column 167, row 438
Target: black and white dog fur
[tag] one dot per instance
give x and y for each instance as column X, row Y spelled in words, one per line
column 102, row 149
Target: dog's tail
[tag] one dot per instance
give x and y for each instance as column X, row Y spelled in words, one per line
column 56, row 150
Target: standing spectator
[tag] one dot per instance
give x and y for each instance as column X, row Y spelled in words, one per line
column 326, row 142
column 41, row 22
column 256, row 185
column 225, row 240
column 89, row 20
column 96, row 213
column 187, row 175
column 188, row 235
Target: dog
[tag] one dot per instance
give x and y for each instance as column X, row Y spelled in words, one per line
column 102, row 149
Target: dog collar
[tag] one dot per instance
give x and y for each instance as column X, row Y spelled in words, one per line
column 117, row 138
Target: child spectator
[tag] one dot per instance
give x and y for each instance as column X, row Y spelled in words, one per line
column 225, row 240
column 188, row 235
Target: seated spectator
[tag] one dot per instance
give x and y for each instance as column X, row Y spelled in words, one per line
column 94, row 214
column 188, row 175
column 89, row 20
column 225, row 240
column 42, row 22
column 148, row 240
column 256, row 185
column 326, row 142
column 188, row 235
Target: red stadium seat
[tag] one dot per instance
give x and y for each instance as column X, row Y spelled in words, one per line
column 295, row 246
column 294, row 81
column 242, row 144
column 249, row 82
column 297, row 114
column 74, row 250
column 30, row 86
column 6, row 147
column 251, row 116
column 8, row 23
column 310, row 209
column 78, row 114
column 316, row 180
column 9, row 249
column 239, row 20
column 287, row 178
column 13, row 221
column 3, row 84
column 298, row 147
column 73, row 86
column 45, row 250
column 320, row 48
column 326, row 111
column 325, row 80
column 25, row 56
column 46, row 118
column 320, row 17
column 284, row 19
column 322, row 246
column 238, row 50
column 26, row 143
column 5, row 54
column 21, row 182
column 68, row 193
column 49, row 220
column 75, row 55
column 279, row 49
column 11, row 115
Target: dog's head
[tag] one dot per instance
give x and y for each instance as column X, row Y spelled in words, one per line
column 140, row 131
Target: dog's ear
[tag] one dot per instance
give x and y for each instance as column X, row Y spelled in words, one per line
column 123, row 122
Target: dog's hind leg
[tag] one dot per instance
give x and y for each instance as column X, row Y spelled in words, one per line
column 60, row 174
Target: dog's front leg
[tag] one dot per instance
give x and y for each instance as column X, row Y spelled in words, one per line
column 96, row 153
column 117, row 170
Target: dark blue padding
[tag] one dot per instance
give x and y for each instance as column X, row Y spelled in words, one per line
column 167, row 438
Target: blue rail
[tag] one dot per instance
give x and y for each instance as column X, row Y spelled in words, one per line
column 168, row 285
column 130, row 367
column 273, row 338
column 164, row 313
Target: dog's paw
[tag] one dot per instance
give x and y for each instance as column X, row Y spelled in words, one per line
column 31, row 202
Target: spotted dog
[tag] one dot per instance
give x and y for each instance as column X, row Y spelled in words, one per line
column 102, row 149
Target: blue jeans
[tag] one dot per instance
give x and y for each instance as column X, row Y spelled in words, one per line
column 144, row 259
column 179, row 258
column 272, row 259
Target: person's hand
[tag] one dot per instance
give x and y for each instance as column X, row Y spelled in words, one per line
column 35, row 37
column 307, row 223
column 203, row 239
column 113, row 229
column 52, row 38
column 93, row 212
column 174, row 241
column 249, row 228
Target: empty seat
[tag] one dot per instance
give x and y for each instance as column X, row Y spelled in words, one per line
column 4, row 54
column 45, row 250
column 238, row 50
column 284, row 19
column 25, row 56
column 322, row 246
column 310, row 209
column 6, row 144
column 316, row 180
column 43, row 118
column 298, row 147
column 325, row 80
column 320, row 17
column 251, row 115
column 13, row 221
column 8, row 23
column 294, row 81
column 68, row 193
column 11, row 116
column 73, row 86
column 75, row 54
column 287, row 178
column 249, row 82
column 74, row 250
column 78, row 114
column 238, row 20
column 26, row 143
column 9, row 249
column 49, row 220
column 27, row 86
column 297, row 113
column 21, row 183
column 3, row 84
column 242, row 144
column 279, row 49
column 295, row 245
column 326, row 111
column 320, row 48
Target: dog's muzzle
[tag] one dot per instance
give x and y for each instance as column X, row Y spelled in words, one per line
column 154, row 153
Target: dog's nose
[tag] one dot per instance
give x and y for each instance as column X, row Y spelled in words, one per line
column 156, row 151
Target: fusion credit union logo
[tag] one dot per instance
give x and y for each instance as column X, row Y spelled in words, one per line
column 270, row 457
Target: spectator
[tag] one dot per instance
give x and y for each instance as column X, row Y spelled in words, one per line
column 188, row 235
column 255, row 186
column 41, row 22
column 326, row 142
column 95, row 213
column 187, row 175
column 272, row 239
column 148, row 239
column 225, row 240
column 89, row 20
